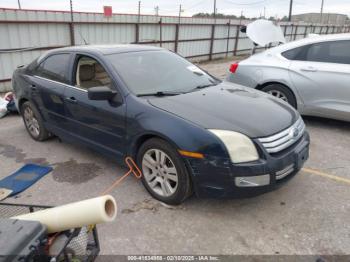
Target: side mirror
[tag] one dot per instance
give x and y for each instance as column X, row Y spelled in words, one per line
column 101, row 93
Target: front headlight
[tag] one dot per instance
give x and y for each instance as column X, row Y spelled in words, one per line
column 240, row 148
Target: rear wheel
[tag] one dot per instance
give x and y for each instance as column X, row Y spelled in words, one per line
column 281, row 92
column 33, row 122
column 164, row 173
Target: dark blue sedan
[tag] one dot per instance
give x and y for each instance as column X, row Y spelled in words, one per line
column 188, row 131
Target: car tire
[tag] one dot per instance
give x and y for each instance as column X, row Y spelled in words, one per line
column 165, row 175
column 282, row 92
column 33, row 122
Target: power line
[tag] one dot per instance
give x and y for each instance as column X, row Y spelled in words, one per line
column 196, row 4
column 246, row 4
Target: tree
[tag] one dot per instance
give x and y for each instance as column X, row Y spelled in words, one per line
column 218, row 15
column 285, row 19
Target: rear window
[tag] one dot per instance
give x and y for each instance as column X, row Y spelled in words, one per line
column 55, row 67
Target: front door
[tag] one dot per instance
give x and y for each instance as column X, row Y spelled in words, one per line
column 101, row 124
column 323, row 78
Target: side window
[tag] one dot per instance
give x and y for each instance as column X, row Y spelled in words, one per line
column 55, row 67
column 296, row 53
column 330, row 52
column 89, row 73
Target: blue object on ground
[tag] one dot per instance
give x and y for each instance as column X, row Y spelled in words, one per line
column 24, row 177
column 11, row 106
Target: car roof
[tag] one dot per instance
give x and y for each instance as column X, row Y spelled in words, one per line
column 309, row 40
column 102, row 49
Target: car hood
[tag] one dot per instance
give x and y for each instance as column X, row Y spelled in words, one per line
column 264, row 32
column 233, row 107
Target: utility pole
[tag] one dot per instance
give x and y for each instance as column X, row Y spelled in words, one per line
column 156, row 9
column 180, row 11
column 139, row 12
column 264, row 12
column 19, row 4
column 322, row 3
column 290, row 10
column 214, row 14
column 71, row 25
column 71, row 10
column 240, row 19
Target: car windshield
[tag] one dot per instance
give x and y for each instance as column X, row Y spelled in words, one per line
column 159, row 72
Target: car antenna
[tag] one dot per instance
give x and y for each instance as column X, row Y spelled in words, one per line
column 85, row 42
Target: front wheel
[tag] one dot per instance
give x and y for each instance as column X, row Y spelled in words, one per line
column 164, row 173
column 281, row 92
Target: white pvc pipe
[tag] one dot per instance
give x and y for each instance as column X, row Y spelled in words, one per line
column 83, row 213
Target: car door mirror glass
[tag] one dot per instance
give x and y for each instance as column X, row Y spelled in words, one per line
column 101, row 93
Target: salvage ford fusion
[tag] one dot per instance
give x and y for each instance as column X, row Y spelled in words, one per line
column 189, row 131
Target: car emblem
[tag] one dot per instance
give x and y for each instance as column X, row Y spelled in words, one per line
column 294, row 132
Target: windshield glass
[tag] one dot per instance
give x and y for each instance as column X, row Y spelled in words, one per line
column 159, row 71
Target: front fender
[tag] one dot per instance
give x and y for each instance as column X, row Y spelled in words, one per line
column 145, row 120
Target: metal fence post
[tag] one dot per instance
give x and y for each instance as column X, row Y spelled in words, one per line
column 160, row 32
column 236, row 40
column 71, row 33
column 137, row 33
column 291, row 32
column 228, row 36
column 295, row 33
column 212, row 41
column 305, row 32
column 177, row 28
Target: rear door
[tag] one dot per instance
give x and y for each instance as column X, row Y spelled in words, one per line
column 321, row 74
column 47, row 84
column 101, row 124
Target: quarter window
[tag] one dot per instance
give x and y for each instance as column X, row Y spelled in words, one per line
column 55, row 67
column 295, row 53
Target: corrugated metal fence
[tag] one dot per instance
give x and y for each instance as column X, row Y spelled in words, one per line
column 25, row 34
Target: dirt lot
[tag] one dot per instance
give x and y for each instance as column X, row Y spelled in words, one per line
column 309, row 215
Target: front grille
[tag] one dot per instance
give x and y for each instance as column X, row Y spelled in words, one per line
column 284, row 139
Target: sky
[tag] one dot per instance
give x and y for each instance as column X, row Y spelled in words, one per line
column 250, row 8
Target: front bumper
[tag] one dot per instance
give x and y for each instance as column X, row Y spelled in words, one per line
column 218, row 177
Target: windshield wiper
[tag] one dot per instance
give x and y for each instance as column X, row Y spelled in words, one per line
column 204, row 86
column 160, row 93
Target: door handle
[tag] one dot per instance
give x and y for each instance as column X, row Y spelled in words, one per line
column 72, row 99
column 309, row 69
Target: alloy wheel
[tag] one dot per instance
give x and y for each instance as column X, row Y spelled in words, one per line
column 31, row 122
column 160, row 172
column 278, row 94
